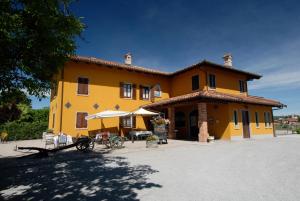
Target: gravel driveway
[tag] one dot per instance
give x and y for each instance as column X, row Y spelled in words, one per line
column 254, row 170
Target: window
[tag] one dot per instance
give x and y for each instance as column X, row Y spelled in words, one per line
column 256, row 119
column 195, row 82
column 81, row 122
column 83, row 85
column 127, row 91
column 127, row 122
column 243, row 86
column 267, row 119
column 212, row 81
column 144, row 93
column 235, row 119
column 157, row 91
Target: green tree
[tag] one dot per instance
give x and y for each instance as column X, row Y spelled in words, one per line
column 36, row 39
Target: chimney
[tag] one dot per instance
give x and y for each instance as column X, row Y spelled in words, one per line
column 227, row 60
column 127, row 59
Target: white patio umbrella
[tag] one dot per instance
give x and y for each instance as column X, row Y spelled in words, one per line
column 107, row 114
column 142, row 112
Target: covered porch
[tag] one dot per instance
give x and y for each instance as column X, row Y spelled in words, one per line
column 196, row 120
column 201, row 114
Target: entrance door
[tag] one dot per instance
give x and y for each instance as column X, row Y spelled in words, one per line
column 194, row 130
column 245, row 119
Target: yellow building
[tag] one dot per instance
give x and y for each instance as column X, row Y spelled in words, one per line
column 200, row 100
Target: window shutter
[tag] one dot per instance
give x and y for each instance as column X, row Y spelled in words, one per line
column 152, row 98
column 134, row 91
column 78, row 124
column 134, row 122
column 121, row 122
column 141, row 92
column 121, row 90
column 85, row 86
column 83, row 120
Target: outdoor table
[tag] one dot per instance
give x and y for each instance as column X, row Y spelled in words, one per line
column 69, row 140
column 139, row 134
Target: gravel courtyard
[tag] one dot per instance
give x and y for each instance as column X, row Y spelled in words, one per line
column 254, row 170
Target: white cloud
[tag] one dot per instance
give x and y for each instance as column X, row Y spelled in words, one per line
column 278, row 80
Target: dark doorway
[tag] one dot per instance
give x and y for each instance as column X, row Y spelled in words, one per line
column 194, row 130
column 245, row 119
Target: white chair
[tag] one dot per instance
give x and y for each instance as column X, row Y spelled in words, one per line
column 44, row 136
column 62, row 140
column 49, row 140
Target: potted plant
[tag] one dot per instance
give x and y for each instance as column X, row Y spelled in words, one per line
column 160, row 128
column 152, row 141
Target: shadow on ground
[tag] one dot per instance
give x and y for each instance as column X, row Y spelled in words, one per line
column 73, row 175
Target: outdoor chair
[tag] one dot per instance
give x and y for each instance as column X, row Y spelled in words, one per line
column 49, row 140
column 62, row 140
column 44, row 136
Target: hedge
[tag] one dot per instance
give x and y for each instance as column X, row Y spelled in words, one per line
column 24, row 130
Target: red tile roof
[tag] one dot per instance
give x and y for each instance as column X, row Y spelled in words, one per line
column 213, row 95
column 94, row 60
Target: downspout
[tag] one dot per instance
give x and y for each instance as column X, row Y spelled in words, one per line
column 62, row 99
column 274, row 133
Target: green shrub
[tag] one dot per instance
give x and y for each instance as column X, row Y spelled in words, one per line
column 152, row 138
column 25, row 130
column 298, row 131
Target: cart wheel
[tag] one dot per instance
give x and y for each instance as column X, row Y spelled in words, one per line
column 81, row 146
column 86, row 145
column 91, row 144
column 119, row 142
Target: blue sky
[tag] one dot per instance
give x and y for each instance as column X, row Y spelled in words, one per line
column 263, row 37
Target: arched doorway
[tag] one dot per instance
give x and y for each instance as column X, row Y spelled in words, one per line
column 193, row 125
column 180, row 125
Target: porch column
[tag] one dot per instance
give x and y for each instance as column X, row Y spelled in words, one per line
column 202, row 122
column 171, row 117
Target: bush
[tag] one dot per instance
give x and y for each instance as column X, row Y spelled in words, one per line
column 31, row 125
column 25, row 130
column 298, row 131
column 152, row 138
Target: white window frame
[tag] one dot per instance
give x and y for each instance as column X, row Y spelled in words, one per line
column 144, row 95
column 157, row 91
column 268, row 123
column 243, row 86
column 208, row 83
column 236, row 126
column 125, row 92
column 78, row 86
column 76, row 121
column 126, row 119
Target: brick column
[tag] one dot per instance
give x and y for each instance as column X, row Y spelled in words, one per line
column 171, row 117
column 202, row 122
